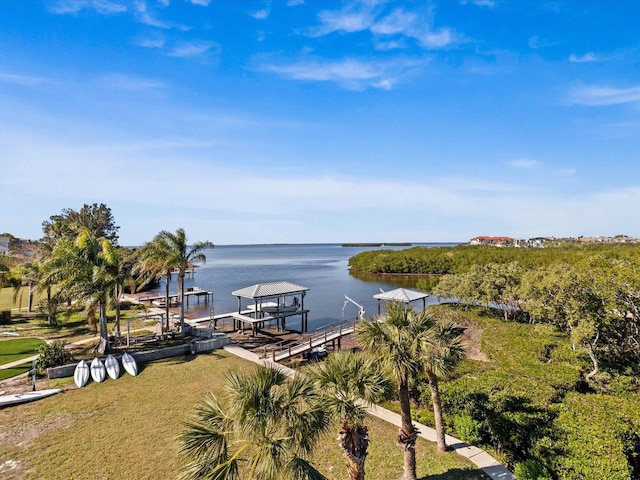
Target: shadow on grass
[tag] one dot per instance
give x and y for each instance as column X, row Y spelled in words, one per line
column 457, row 474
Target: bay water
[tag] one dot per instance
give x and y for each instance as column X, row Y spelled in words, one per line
column 323, row 268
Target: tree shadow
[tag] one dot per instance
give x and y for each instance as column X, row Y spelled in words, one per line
column 458, row 474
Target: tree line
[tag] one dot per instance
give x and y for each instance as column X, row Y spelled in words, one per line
column 81, row 264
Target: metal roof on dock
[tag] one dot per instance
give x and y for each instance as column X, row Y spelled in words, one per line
column 401, row 295
column 271, row 289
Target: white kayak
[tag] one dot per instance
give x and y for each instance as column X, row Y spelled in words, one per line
column 112, row 366
column 98, row 372
column 81, row 374
column 129, row 364
column 16, row 398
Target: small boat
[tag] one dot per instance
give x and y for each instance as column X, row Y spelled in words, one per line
column 98, row 372
column 81, row 374
column 129, row 364
column 112, row 366
column 16, row 398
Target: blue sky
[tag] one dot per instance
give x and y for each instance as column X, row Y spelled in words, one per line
column 309, row 121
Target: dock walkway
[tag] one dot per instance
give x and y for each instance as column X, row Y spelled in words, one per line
column 321, row 337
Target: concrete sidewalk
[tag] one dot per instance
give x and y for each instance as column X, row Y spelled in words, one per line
column 489, row 465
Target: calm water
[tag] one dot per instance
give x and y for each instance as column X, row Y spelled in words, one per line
column 323, row 268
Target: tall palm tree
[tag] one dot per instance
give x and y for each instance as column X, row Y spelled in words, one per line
column 264, row 428
column 441, row 352
column 396, row 341
column 82, row 270
column 168, row 252
column 346, row 379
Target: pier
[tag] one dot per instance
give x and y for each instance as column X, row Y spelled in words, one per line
column 159, row 300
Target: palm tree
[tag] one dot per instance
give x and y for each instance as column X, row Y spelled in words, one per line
column 345, row 380
column 441, row 352
column 396, row 341
column 263, row 428
column 168, row 252
column 82, row 269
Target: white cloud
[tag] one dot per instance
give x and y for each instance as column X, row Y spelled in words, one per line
column 396, row 22
column 536, row 42
column 127, row 82
column 294, row 3
column 351, row 73
column 24, row 80
column 260, row 14
column 523, row 163
column 603, row 95
column 586, row 58
column 155, row 41
column 399, row 24
column 103, row 7
column 202, row 3
column 193, row 49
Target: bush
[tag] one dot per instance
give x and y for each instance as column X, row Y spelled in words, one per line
column 531, row 470
column 52, row 355
column 5, row 317
column 467, row 428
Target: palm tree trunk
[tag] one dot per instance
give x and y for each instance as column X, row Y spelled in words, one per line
column 408, row 434
column 117, row 302
column 30, row 301
column 181, row 282
column 104, row 333
column 166, row 299
column 354, row 444
column 437, row 412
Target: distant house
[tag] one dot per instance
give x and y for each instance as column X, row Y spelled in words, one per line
column 4, row 246
column 493, row 241
column 538, row 242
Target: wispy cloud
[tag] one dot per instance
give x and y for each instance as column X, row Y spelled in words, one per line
column 388, row 28
column 567, row 172
column 294, row 3
column 102, row 7
column 603, row 95
column 536, row 43
column 202, row 3
column 523, row 163
column 479, row 3
column 24, row 80
column 586, row 58
column 193, row 49
column 260, row 14
column 127, row 82
column 350, row 73
column 151, row 41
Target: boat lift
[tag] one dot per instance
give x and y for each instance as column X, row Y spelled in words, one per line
column 361, row 311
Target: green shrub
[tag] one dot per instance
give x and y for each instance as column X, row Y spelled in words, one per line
column 467, row 428
column 52, row 355
column 531, row 470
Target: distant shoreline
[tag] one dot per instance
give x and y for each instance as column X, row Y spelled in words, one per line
column 390, row 244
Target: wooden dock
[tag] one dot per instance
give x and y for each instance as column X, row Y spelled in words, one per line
column 173, row 297
column 331, row 333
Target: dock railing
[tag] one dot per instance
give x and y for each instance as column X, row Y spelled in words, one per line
column 321, row 336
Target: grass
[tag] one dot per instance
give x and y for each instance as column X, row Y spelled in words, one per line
column 18, row 348
column 13, row 371
column 127, row 428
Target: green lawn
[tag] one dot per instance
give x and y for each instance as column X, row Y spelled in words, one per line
column 126, row 429
column 18, row 348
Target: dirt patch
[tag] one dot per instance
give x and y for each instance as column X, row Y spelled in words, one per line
column 473, row 339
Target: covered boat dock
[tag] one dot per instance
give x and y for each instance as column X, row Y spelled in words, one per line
column 273, row 301
column 401, row 295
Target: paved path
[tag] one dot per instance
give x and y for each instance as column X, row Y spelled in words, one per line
column 479, row 457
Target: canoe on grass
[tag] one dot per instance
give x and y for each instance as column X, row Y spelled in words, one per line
column 16, row 398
